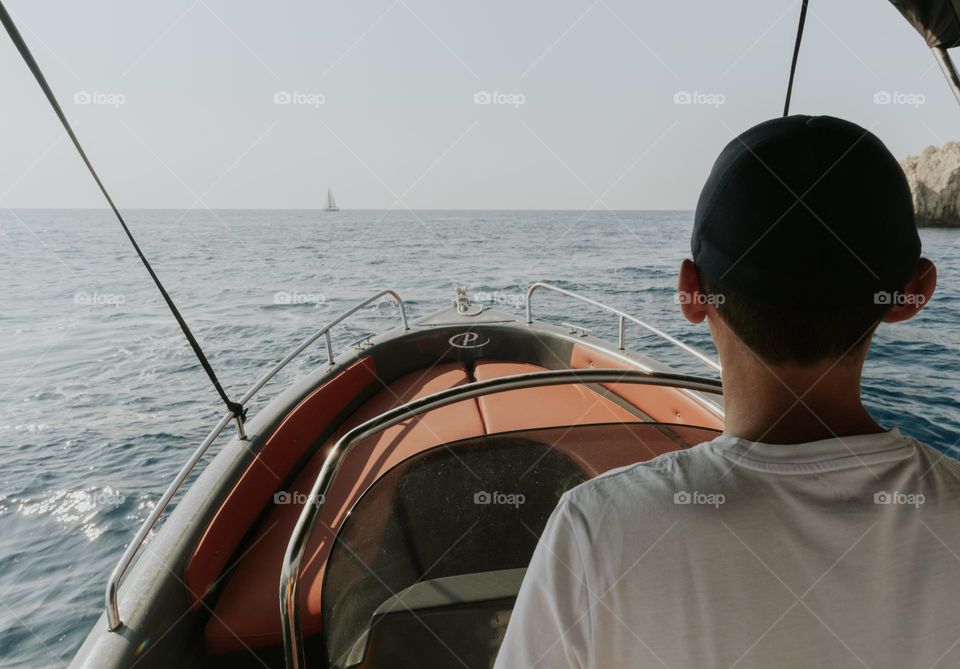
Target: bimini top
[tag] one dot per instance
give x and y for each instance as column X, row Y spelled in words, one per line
column 938, row 21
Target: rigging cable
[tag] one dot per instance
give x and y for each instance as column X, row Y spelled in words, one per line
column 796, row 53
column 234, row 407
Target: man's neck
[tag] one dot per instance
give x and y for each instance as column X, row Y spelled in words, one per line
column 790, row 404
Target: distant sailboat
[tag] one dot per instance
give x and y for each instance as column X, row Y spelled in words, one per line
column 331, row 203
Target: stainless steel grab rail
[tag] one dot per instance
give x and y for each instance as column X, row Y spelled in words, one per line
column 949, row 70
column 290, row 575
column 113, row 583
column 622, row 317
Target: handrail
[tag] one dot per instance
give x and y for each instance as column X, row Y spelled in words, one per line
column 113, row 583
column 622, row 318
column 293, row 557
column 949, row 70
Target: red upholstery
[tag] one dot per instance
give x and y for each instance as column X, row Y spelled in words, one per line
column 272, row 464
column 549, row 406
column 663, row 405
column 616, row 445
column 247, row 614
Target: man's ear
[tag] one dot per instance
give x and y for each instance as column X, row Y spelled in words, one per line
column 693, row 303
column 915, row 294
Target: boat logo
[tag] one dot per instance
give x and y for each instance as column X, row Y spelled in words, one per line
column 468, row 340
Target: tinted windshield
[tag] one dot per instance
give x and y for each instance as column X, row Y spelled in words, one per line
column 438, row 544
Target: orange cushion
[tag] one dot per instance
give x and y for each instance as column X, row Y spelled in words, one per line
column 247, row 613
column 663, row 405
column 551, row 406
column 277, row 457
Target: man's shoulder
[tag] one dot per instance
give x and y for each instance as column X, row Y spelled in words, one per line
column 948, row 459
column 651, row 482
column 703, row 470
column 940, row 471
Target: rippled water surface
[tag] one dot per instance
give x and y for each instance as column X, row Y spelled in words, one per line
column 101, row 399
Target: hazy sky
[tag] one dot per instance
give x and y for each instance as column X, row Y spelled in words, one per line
column 176, row 101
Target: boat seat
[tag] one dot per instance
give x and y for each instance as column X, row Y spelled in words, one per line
column 663, row 405
column 274, row 462
column 247, row 613
column 436, row 622
column 617, row 445
column 531, row 408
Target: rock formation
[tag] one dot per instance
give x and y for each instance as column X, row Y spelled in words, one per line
column 934, row 178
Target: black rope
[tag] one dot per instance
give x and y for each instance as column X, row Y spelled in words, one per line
column 235, row 407
column 796, row 53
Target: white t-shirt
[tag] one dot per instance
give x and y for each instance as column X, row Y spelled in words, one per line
column 836, row 553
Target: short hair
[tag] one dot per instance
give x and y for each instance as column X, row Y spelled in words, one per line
column 784, row 333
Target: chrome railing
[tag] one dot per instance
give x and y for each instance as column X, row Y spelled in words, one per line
column 949, row 70
column 622, row 318
column 113, row 584
column 290, row 575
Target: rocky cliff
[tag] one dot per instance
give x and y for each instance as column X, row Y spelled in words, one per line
column 934, row 178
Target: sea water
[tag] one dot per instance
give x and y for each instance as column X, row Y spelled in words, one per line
column 101, row 399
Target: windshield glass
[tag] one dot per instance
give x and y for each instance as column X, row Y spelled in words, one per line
column 428, row 563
